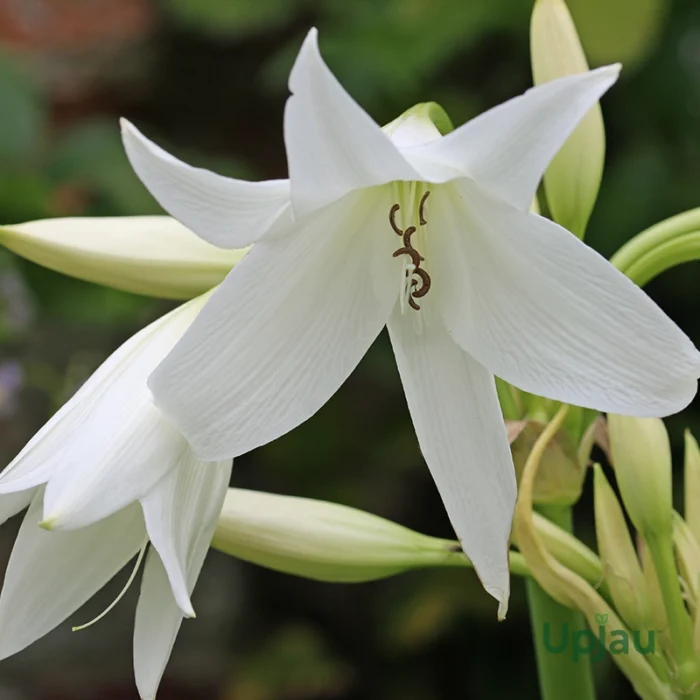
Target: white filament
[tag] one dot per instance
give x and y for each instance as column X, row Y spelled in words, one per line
column 122, row 593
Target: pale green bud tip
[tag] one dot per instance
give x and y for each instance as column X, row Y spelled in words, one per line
column 621, row 565
column 420, row 124
column 573, row 177
column 642, row 459
column 324, row 541
column 692, row 484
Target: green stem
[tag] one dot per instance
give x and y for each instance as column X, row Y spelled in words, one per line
column 679, row 623
column 559, row 675
column 664, row 245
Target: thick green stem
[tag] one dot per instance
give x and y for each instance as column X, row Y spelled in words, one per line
column 661, row 247
column 559, row 675
column 679, row 623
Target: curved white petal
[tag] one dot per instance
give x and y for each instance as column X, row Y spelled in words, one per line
column 281, row 335
column 109, row 444
column 51, row 574
column 226, row 212
column 333, row 145
column 13, row 503
column 37, row 460
column 152, row 255
column 548, row 314
column 181, row 510
column 158, row 617
column 127, row 447
column 508, row 148
column 460, row 428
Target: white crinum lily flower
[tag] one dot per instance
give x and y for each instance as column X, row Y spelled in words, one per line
column 108, row 473
column 431, row 236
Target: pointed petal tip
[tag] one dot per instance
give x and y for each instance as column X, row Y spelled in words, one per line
column 308, row 46
column 185, row 605
column 502, row 596
column 128, row 130
column 48, row 524
column 612, row 69
column 502, row 609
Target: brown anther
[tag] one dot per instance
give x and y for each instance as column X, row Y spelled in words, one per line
column 416, row 257
column 425, row 279
column 407, row 236
column 392, row 219
column 421, row 208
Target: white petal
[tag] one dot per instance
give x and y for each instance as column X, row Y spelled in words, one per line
column 127, row 447
column 152, row 255
column 548, row 314
column 508, row 148
column 181, row 510
column 13, row 503
column 109, row 444
column 460, row 428
column 226, row 212
column 333, row 145
column 158, row 617
column 51, row 574
column 284, row 331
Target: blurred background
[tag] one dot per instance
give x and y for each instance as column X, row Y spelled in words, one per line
column 207, row 80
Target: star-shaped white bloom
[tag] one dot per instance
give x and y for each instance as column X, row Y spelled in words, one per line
column 429, row 235
column 108, row 473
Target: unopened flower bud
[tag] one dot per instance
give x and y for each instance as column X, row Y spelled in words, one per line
column 657, row 609
column 573, row 177
column 642, row 459
column 568, row 550
column 621, row 565
column 688, row 555
column 692, row 484
column 324, row 541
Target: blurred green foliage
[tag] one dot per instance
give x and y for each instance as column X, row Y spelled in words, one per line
column 207, row 79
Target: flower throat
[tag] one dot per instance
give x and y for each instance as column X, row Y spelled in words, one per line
column 413, row 288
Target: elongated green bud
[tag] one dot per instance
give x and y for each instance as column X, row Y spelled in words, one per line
column 621, row 565
column 688, row 557
column 152, row 255
column 573, row 177
column 692, row 484
column 324, row 541
column 642, row 459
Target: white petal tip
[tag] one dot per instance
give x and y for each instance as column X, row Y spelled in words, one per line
column 183, row 600
column 502, row 609
column 502, row 597
column 48, row 524
column 126, row 126
column 310, row 45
